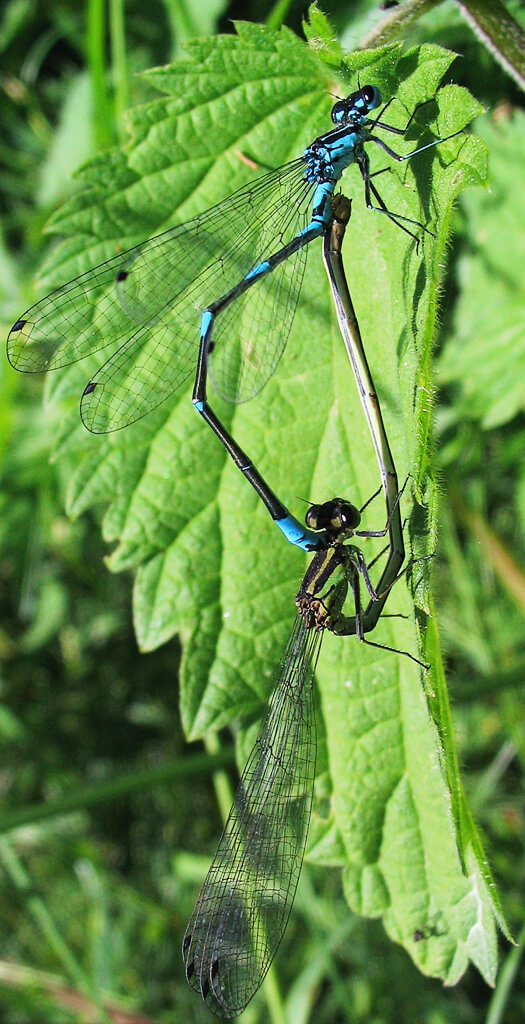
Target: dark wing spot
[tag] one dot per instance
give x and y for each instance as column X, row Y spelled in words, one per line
column 89, row 388
column 122, row 275
column 20, row 324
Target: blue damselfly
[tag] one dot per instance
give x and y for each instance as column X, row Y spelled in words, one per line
column 238, row 268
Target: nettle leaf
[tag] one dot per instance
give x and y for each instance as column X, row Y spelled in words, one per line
column 322, row 38
column 210, row 564
column 485, row 357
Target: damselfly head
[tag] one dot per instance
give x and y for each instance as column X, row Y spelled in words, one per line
column 335, row 516
column 356, row 105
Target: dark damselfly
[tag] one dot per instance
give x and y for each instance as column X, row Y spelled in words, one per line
column 243, row 908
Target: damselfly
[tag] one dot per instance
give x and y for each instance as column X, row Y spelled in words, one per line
column 243, row 908
column 238, row 267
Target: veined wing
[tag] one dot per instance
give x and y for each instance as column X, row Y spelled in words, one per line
column 243, row 908
column 249, row 334
column 170, row 279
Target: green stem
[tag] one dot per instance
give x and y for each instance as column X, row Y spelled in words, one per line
column 118, row 59
column 396, row 22
column 506, row 978
column 500, row 33
column 278, row 13
column 221, row 782
column 183, row 23
column 95, row 50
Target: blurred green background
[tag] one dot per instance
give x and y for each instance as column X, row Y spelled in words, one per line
column 94, row 901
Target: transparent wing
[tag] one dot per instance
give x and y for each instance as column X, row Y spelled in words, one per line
column 250, row 335
column 243, row 908
column 146, row 303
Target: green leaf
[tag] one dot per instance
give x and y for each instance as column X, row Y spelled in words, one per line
column 484, row 359
column 382, row 61
column 72, row 142
column 322, row 38
column 209, row 562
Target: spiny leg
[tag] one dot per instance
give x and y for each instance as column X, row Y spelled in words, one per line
column 370, row 189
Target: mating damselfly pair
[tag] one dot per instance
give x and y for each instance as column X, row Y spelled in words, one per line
column 238, row 268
